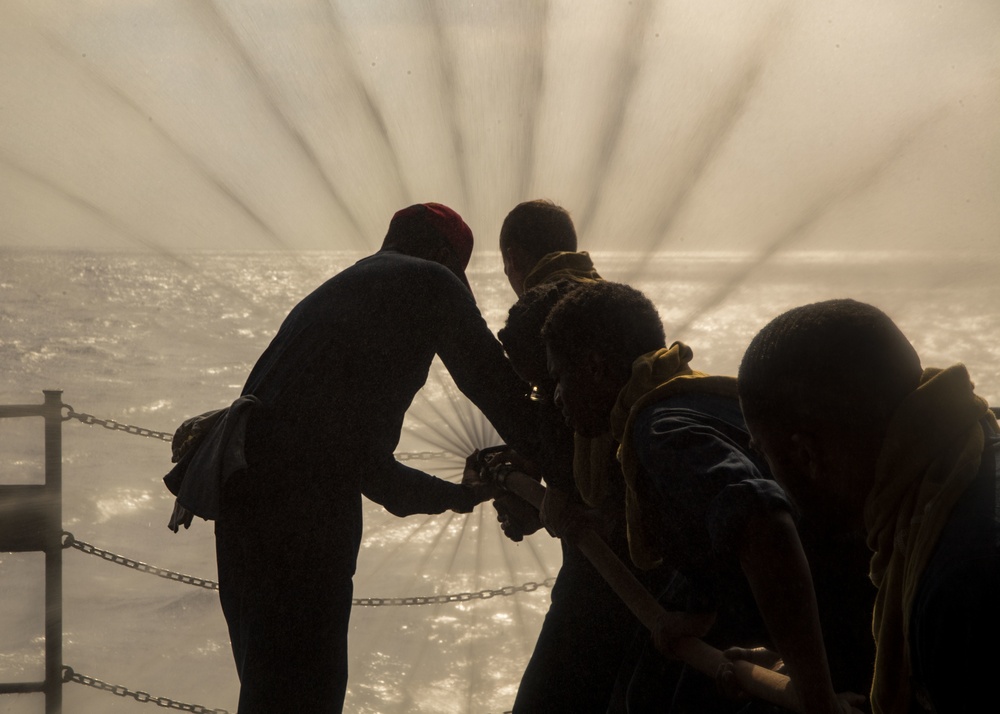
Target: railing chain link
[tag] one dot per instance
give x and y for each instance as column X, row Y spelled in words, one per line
column 90, row 420
column 454, row 597
column 423, row 455
column 68, row 541
column 68, row 675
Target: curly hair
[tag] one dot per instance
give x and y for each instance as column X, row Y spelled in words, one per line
column 612, row 319
column 522, row 335
column 833, row 362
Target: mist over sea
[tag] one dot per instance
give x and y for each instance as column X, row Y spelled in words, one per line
column 150, row 339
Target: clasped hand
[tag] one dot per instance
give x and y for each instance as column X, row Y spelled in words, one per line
column 517, row 517
column 472, row 479
column 728, row 684
column 565, row 518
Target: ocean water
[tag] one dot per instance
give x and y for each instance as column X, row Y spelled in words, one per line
column 152, row 339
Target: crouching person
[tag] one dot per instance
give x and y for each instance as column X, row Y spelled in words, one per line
column 862, row 438
column 697, row 499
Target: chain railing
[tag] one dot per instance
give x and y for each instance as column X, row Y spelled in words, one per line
column 69, row 675
column 527, row 587
column 68, row 540
column 423, row 455
column 90, row 420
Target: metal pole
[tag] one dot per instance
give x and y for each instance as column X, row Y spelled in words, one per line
column 53, row 551
column 756, row 681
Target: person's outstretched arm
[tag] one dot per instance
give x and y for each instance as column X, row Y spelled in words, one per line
column 776, row 568
column 404, row 491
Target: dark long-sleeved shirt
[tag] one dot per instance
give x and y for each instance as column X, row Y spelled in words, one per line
column 694, row 452
column 339, row 375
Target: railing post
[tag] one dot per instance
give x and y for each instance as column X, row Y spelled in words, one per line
column 53, row 551
column 31, row 522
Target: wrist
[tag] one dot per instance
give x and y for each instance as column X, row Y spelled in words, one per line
column 477, row 493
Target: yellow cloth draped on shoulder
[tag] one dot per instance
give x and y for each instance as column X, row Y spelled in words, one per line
column 930, row 455
column 655, row 376
column 593, row 458
column 564, row 265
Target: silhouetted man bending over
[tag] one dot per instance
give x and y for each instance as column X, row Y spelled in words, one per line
column 333, row 386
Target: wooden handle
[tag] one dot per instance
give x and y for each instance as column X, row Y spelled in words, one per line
column 758, row 682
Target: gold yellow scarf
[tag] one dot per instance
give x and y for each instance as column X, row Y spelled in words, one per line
column 655, row 376
column 592, row 458
column 594, row 468
column 564, row 265
column 931, row 454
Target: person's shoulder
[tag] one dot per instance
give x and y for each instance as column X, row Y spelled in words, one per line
column 696, row 428
column 692, row 408
column 404, row 269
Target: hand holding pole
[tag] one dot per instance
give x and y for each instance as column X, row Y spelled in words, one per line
column 758, row 682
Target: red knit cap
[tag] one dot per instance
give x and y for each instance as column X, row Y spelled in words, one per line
column 450, row 225
column 412, row 223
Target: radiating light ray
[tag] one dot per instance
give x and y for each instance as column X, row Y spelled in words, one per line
column 713, row 130
column 488, row 528
column 387, row 554
column 471, row 423
column 473, row 680
column 508, row 563
column 123, row 229
column 463, row 424
column 820, row 207
column 441, row 536
column 719, row 121
column 440, row 525
column 445, row 438
column 536, row 30
column 381, row 629
column 214, row 18
column 472, row 672
column 438, row 428
column 459, row 421
column 480, row 546
column 449, row 100
column 201, row 167
column 478, row 429
column 420, row 663
column 371, row 107
column 616, row 108
column 471, row 528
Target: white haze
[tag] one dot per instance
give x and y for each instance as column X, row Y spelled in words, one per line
column 303, row 124
column 760, row 129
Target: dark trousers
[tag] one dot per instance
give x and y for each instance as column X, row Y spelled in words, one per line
column 285, row 568
column 586, row 634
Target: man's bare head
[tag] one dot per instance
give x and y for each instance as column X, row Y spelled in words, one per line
column 818, row 386
column 531, row 231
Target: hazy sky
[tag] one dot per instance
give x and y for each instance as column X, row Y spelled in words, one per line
column 304, row 124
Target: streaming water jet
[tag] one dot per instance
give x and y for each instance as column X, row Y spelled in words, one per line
column 303, row 125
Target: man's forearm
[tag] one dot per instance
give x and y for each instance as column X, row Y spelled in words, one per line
column 404, row 491
column 778, row 572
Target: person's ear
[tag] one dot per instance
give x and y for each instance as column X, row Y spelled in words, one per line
column 445, row 256
column 596, row 363
column 512, row 255
column 807, row 455
column 605, row 371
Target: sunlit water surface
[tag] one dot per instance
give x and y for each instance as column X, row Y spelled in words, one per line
column 149, row 341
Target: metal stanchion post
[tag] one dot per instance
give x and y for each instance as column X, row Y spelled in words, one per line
column 53, row 551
